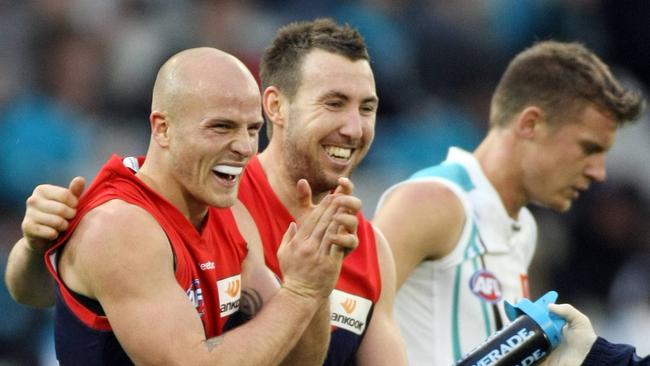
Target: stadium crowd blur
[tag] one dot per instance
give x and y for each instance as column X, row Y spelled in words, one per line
column 75, row 86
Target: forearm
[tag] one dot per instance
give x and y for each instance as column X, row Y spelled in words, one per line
column 27, row 278
column 312, row 348
column 274, row 331
column 179, row 337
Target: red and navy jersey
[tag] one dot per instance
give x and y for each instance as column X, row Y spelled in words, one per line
column 207, row 267
column 359, row 284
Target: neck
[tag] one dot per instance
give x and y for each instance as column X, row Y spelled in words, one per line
column 498, row 156
column 164, row 184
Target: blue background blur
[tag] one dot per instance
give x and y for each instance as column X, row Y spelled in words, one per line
column 75, row 86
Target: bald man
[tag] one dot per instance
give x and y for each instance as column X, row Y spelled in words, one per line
column 146, row 237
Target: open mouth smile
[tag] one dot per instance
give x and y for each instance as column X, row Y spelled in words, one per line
column 339, row 153
column 227, row 173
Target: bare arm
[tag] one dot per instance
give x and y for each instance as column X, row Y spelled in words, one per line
column 420, row 220
column 314, row 344
column 104, row 260
column 312, row 347
column 260, row 284
column 26, row 277
column 382, row 344
column 48, row 210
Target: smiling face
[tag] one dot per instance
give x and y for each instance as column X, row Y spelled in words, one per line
column 213, row 118
column 330, row 122
column 566, row 158
column 212, row 144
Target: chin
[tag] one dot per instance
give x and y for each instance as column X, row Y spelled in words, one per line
column 556, row 206
column 562, row 207
column 224, row 201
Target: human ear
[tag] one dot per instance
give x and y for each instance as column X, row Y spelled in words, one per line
column 528, row 122
column 159, row 128
column 273, row 103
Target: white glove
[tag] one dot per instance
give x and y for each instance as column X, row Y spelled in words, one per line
column 578, row 337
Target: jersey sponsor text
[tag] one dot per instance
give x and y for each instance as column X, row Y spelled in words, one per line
column 349, row 311
column 229, row 294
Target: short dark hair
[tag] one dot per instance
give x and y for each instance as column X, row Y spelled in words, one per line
column 561, row 78
column 281, row 62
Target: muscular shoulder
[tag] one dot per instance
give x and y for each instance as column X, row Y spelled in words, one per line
column 118, row 223
column 112, row 238
column 429, row 212
column 422, row 196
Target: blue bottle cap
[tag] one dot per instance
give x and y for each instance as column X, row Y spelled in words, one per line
column 550, row 323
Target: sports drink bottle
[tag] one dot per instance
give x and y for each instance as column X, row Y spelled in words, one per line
column 533, row 334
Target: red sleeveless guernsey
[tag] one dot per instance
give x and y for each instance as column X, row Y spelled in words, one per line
column 207, row 267
column 359, row 284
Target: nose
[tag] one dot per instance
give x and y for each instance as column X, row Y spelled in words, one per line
column 596, row 168
column 243, row 144
column 353, row 127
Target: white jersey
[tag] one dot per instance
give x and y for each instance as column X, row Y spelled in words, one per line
column 448, row 306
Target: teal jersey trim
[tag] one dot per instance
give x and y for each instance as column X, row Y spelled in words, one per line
column 455, row 334
column 451, row 171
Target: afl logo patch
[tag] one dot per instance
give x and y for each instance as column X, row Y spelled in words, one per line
column 485, row 285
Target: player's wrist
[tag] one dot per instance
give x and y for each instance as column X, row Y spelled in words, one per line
column 587, row 343
column 302, row 294
column 35, row 247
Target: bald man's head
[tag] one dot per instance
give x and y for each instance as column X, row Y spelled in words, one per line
column 199, row 72
column 206, row 115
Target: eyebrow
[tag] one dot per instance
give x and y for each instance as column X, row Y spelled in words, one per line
column 337, row 94
column 213, row 120
column 210, row 121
